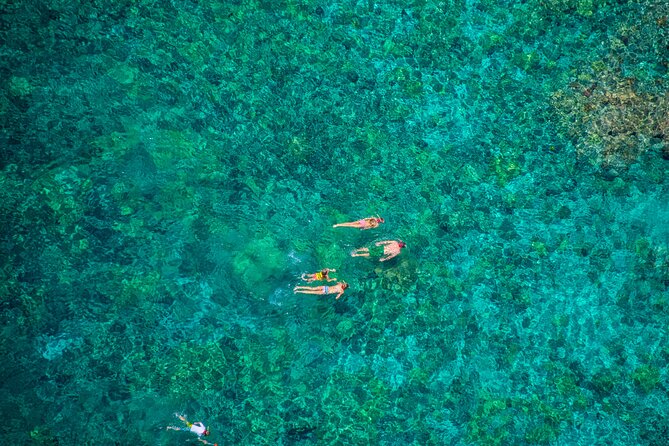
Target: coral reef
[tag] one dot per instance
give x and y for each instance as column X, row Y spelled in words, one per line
column 611, row 119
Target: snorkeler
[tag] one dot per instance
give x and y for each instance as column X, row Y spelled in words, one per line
column 385, row 250
column 321, row 275
column 337, row 289
column 362, row 224
column 197, row 428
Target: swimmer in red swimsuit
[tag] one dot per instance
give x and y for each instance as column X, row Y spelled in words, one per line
column 362, row 224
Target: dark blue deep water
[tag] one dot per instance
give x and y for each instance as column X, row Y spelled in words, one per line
column 169, row 169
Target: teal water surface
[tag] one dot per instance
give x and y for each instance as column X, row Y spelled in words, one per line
column 168, row 170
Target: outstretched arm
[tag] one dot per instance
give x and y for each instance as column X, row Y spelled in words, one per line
column 181, row 417
column 339, row 295
column 388, row 257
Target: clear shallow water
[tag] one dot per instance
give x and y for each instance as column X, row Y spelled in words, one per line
column 169, row 171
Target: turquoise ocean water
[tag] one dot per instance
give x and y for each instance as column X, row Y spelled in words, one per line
column 169, row 169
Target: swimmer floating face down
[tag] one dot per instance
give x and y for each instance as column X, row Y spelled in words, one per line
column 337, row 289
column 384, row 250
column 362, row 224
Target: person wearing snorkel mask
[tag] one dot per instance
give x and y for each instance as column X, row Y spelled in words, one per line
column 197, row 428
column 383, row 250
column 362, row 224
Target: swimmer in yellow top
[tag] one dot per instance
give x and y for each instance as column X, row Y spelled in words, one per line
column 362, row 224
column 319, row 276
